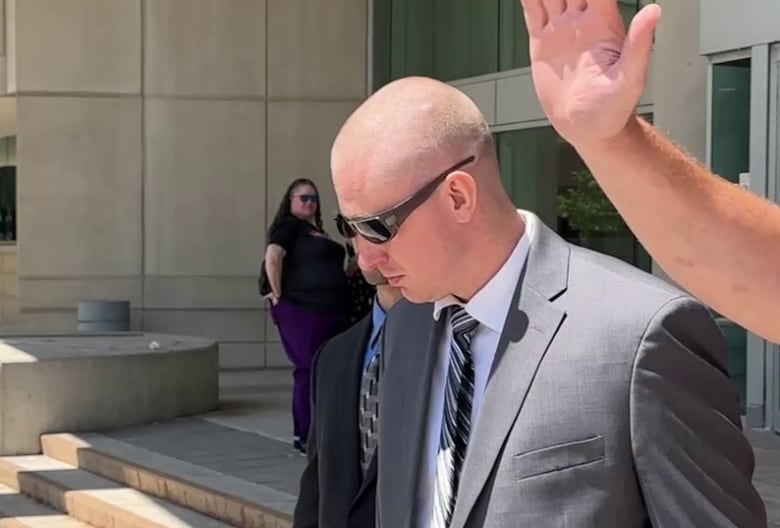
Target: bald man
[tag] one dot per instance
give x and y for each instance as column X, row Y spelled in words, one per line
column 528, row 382
column 716, row 239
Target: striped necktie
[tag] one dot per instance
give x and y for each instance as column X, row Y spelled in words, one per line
column 456, row 418
column 369, row 410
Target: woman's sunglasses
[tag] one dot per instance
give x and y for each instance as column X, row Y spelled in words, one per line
column 306, row 198
column 382, row 227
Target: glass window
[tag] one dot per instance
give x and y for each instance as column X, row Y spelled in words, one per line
column 8, row 190
column 545, row 175
column 465, row 36
column 381, row 43
column 445, row 39
column 453, row 39
column 513, row 37
column 411, row 44
column 629, row 8
column 730, row 156
column 731, row 119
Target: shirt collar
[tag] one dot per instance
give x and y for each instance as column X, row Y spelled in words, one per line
column 490, row 304
column 377, row 320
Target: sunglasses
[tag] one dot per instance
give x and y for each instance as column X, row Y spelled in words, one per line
column 306, row 198
column 382, row 227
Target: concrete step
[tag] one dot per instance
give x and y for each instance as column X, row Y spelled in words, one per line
column 20, row 511
column 229, row 499
column 93, row 499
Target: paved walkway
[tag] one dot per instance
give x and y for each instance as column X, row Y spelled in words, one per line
column 250, row 438
column 248, row 456
column 767, row 475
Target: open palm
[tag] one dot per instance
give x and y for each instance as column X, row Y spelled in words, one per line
column 588, row 73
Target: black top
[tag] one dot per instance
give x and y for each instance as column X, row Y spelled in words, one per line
column 313, row 267
column 361, row 297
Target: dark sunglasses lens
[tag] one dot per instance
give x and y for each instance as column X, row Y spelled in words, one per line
column 344, row 228
column 375, row 231
column 306, row 198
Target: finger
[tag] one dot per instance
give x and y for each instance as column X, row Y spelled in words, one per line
column 576, row 5
column 554, row 8
column 605, row 7
column 535, row 15
column 637, row 49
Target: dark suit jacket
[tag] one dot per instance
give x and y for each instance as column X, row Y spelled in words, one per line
column 333, row 492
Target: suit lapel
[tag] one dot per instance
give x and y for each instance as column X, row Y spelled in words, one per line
column 368, row 480
column 349, row 407
column 530, row 327
column 370, row 476
column 410, row 343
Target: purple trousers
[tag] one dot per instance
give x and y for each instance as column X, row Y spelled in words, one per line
column 303, row 331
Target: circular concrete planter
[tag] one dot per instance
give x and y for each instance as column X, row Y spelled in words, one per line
column 76, row 383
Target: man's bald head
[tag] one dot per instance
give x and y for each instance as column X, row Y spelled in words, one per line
column 405, row 133
column 395, row 143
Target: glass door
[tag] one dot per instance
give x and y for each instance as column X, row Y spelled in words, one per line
column 729, row 156
column 773, row 192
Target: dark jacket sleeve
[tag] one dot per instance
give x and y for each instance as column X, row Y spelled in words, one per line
column 693, row 462
column 306, row 513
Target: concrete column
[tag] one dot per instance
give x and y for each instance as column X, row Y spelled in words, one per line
column 77, row 79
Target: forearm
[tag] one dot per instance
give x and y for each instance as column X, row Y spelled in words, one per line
column 717, row 240
column 273, row 267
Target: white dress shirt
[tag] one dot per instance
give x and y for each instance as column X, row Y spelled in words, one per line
column 489, row 307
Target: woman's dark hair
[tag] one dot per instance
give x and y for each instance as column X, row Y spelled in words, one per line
column 284, row 206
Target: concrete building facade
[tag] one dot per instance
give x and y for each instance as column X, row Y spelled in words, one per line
column 153, row 140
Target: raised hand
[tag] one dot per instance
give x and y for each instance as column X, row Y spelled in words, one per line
column 588, row 73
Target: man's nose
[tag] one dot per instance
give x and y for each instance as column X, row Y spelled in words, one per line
column 369, row 255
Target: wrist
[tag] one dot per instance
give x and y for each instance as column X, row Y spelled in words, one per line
column 621, row 143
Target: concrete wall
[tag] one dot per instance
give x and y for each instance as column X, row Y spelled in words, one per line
column 730, row 24
column 155, row 144
column 680, row 80
column 9, row 286
column 680, row 75
column 74, row 383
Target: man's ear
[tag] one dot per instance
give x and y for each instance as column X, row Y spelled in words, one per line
column 462, row 193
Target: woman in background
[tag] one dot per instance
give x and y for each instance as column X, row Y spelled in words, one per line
column 307, row 276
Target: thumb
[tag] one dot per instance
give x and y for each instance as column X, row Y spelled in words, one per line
column 638, row 46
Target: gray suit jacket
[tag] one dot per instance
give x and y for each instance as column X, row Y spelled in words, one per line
column 609, row 405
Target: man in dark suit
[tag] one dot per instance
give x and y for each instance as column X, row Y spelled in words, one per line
column 338, row 485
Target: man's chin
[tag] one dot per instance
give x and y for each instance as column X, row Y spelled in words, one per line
column 415, row 297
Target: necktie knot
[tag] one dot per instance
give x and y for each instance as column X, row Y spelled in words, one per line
column 463, row 324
